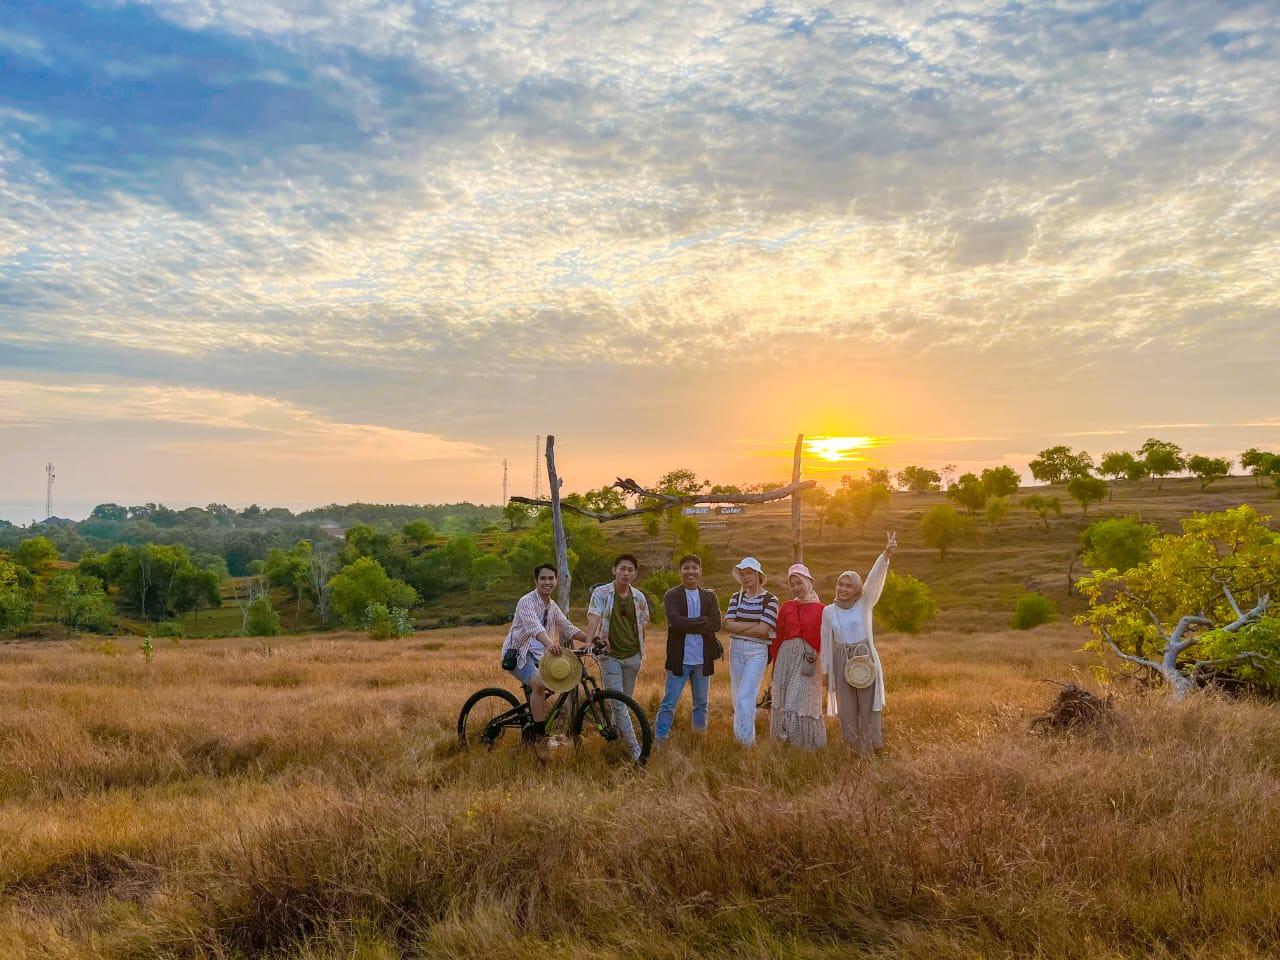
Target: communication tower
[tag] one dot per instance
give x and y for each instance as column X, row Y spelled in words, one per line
column 504, row 481
column 537, row 472
column 48, row 491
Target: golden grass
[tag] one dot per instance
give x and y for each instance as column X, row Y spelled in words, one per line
column 309, row 803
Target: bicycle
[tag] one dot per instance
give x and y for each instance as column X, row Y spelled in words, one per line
column 489, row 713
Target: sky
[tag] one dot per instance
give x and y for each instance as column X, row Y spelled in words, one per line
column 327, row 250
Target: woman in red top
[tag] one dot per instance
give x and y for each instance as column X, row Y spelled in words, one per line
column 796, row 717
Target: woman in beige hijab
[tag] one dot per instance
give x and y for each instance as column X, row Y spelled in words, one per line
column 847, row 632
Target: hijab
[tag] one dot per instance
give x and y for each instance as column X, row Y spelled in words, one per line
column 852, row 575
column 800, row 570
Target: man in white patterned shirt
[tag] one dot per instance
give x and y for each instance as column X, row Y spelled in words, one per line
column 537, row 627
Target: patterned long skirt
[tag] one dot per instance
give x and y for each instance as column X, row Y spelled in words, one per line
column 796, row 716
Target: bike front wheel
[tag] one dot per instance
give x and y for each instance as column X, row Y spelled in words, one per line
column 616, row 724
column 486, row 717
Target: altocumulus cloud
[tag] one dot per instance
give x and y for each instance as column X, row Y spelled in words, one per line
column 261, row 191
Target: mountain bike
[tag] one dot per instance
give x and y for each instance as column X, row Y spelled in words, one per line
column 494, row 716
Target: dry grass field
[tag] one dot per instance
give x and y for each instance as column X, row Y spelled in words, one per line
column 305, row 800
column 226, row 801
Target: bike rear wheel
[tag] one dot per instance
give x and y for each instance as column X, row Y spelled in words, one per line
column 488, row 716
column 605, row 719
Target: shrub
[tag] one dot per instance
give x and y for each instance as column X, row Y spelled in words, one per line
column 1032, row 610
column 263, row 621
column 15, row 609
column 1118, row 543
column 906, row 603
column 169, row 628
column 364, row 582
column 386, row 623
column 654, row 586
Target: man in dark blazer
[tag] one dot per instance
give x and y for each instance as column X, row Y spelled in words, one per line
column 693, row 617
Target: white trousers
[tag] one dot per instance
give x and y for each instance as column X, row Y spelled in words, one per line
column 748, row 661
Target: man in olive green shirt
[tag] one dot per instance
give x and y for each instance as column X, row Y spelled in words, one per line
column 616, row 616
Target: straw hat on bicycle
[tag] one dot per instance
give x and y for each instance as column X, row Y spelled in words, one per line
column 560, row 673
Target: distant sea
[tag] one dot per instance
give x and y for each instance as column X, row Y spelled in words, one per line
column 22, row 512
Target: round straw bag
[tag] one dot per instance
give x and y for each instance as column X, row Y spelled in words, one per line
column 859, row 668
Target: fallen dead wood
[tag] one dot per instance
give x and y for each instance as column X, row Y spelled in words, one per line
column 1073, row 708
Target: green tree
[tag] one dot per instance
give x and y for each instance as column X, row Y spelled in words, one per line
column 488, row 570
column 1198, row 607
column 819, row 500
column 1258, row 463
column 879, row 475
column 109, row 511
column 681, row 482
column 37, row 554
column 288, row 570
column 1042, row 507
column 997, row 511
column 517, row 516
column 603, row 500
column 1000, row 481
column 1209, row 469
column 941, row 527
column 1059, row 464
column 79, row 602
column 364, row 582
column 969, row 492
column 15, row 605
column 1161, row 458
column 1085, row 490
column 262, row 621
column 202, row 590
column 919, row 479
column 906, row 604
column 15, row 608
column 1117, row 543
column 1117, row 464
column 418, row 532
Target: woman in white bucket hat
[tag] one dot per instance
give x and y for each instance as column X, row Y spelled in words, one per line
column 751, row 620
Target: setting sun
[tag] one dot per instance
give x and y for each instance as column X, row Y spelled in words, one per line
column 838, row 449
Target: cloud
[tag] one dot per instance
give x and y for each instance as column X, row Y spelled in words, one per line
column 468, row 203
column 243, row 423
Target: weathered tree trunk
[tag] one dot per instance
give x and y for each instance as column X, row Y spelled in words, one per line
column 797, row 528
column 557, row 525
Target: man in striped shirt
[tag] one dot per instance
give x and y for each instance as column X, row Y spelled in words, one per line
column 752, row 619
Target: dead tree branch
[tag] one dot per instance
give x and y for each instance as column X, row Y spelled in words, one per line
column 665, row 501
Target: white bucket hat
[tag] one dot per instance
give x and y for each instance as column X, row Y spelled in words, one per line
column 749, row 563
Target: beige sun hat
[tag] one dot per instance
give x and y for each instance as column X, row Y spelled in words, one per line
column 749, row 563
column 560, row 673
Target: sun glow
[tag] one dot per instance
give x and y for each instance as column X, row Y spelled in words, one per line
column 838, row 449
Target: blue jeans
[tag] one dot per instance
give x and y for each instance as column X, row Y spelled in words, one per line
column 701, row 685
column 621, row 675
column 747, row 663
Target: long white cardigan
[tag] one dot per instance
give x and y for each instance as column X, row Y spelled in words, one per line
column 872, row 587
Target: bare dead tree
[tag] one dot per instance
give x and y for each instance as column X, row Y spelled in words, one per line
column 245, row 591
column 321, row 567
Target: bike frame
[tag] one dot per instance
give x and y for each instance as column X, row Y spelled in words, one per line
column 517, row 717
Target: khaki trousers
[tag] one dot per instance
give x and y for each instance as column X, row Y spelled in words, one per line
column 859, row 724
